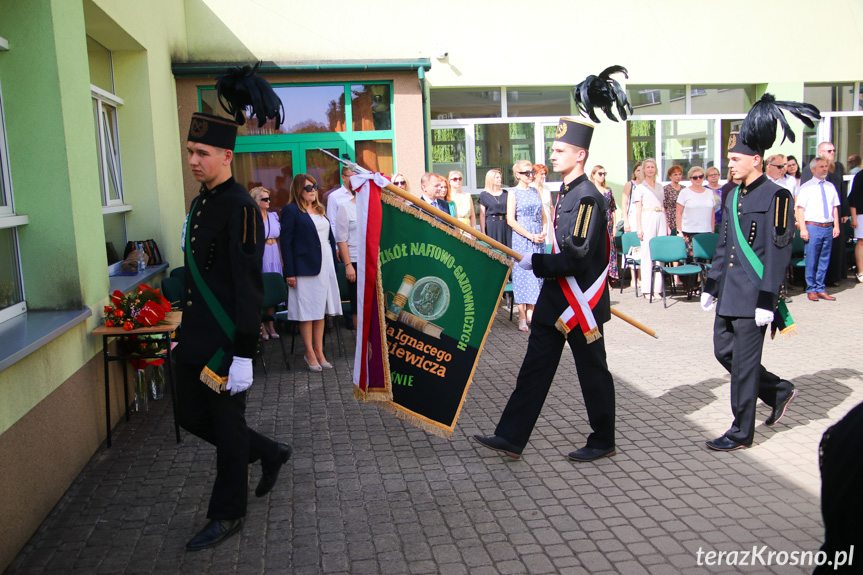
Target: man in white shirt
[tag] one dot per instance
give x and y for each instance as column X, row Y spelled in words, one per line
column 342, row 194
column 818, row 219
column 775, row 171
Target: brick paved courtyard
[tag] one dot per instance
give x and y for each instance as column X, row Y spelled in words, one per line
column 367, row 493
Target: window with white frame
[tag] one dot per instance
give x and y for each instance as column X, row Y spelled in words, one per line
column 105, row 104
column 11, row 286
column 842, row 112
column 475, row 130
column 685, row 125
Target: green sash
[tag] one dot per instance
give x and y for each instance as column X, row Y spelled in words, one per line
column 210, row 374
column 782, row 317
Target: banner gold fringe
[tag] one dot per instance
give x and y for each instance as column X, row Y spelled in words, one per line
column 417, row 420
column 213, row 380
column 591, row 336
column 393, row 200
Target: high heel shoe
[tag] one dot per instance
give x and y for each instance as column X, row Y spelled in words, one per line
column 265, row 336
column 522, row 325
column 325, row 364
column 314, row 368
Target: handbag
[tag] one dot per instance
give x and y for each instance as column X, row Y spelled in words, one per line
column 151, row 251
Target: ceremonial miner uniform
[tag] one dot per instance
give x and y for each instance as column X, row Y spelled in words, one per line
column 580, row 226
column 572, row 306
column 765, row 212
column 224, row 246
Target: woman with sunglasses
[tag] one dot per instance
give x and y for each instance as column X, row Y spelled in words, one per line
column 597, row 176
column 525, row 216
column 401, row 181
column 308, row 250
column 696, row 206
column 460, row 199
column 272, row 252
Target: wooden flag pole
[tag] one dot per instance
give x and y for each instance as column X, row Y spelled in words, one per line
column 464, row 227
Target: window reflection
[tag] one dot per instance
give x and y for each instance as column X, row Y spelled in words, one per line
column 447, row 104
column 325, row 170
column 500, row 146
column 376, row 155
column 829, row 97
column 449, row 151
column 272, row 170
column 657, row 99
column 308, row 110
column 722, row 100
column 686, row 143
column 370, row 107
column 538, row 102
column 10, row 284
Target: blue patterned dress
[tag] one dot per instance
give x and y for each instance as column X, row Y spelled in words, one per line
column 528, row 212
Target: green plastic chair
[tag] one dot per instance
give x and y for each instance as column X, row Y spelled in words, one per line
column 666, row 250
column 172, row 289
column 628, row 241
column 703, row 251
column 275, row 292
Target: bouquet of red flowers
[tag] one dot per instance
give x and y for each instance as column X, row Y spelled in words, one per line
column 143, row 307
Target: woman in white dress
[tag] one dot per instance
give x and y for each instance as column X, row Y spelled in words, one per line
column 648, row 198
column 308, row 254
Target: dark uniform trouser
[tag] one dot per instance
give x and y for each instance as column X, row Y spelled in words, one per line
column 737, row 344
column 544, row 348
column 219, row 419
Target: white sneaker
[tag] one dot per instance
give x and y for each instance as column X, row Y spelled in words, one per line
column 860, row 278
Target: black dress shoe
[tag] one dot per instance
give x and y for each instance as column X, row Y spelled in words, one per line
column 271, row 470
column 724, row 444
column 780, row 408
column 590, row 454
column 214, row 533
column 500, row 444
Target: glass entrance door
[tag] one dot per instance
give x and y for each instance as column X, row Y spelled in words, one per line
column 324, row 169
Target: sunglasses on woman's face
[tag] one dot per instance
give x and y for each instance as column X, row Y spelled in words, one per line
column 600, row 173
column 528, row 173
column 401, row 183
column 265, row 199
column 455, row 179
column 310, row 188
column 698, row 177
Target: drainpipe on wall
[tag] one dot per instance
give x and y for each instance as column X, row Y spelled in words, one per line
column 421, row 76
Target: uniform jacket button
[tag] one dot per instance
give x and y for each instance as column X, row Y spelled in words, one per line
column 189, row 303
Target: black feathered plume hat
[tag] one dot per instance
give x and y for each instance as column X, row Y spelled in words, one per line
column 238, row 90
column 758, row 130
column 595, row 92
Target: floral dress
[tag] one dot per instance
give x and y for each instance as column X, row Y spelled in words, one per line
column 528, row 212
column 610, row 208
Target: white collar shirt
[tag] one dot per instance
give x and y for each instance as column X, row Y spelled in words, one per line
column 809, row 198
column 336, row 198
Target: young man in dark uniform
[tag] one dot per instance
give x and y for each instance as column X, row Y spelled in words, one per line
column 752, row 254
column 572, row 306
column 224, row 249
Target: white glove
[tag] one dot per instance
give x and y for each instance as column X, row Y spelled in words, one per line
column 525, row 262
column 240, row 375
column 763, row 317
column 707, row 301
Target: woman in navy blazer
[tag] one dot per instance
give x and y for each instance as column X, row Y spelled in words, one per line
column 308, row 254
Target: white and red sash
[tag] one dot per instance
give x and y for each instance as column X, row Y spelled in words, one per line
column 581, row 303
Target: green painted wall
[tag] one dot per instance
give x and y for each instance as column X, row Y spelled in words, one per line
column 45, row 80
